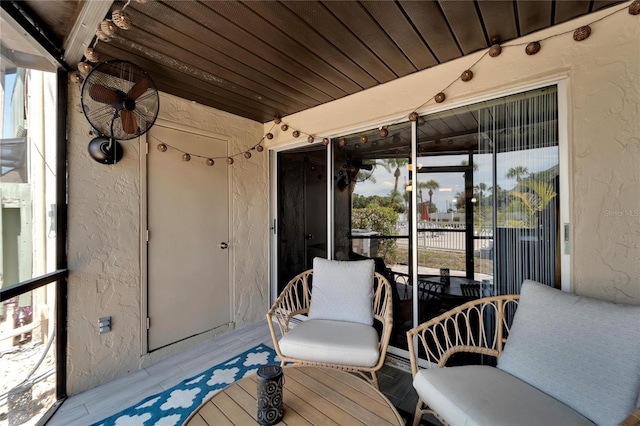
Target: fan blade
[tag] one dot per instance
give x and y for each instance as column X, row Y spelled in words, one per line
column 129, row 122
column 138, row 89
column 103, row 95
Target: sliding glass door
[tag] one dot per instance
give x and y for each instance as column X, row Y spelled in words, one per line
column 519, row 169
column 453, row 206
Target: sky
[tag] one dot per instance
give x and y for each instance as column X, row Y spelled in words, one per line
column 9, row 80
column 535, row 160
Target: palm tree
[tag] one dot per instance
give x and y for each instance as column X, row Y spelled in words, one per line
column 466, row 163
column 430, row 185
column 389, row 164
column 538, row 195
column 394, row 163
column 481, row 187
column 517, row 172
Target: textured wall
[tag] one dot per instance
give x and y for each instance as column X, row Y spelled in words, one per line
column 104, row 241
column 603, row 125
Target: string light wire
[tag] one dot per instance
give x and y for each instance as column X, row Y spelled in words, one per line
column 439, row 97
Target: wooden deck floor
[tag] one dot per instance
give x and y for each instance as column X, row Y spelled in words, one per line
column 102, row 401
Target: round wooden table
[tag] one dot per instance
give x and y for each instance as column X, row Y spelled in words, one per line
column 312, row 396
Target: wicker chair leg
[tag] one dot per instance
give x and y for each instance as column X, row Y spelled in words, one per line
column 418, row 415
column 422, row 409
column 371, row 378
column 374, row 380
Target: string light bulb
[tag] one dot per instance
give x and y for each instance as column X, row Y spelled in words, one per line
column 91, row 55
column 210, row 162
column 259, row 148
column 108, row 28
column 296, row 133
column 532, row 48
column 229, row 160
column 77, row 78
column 84, row 67
column 121, row 19
column 101, row 35
column 582, row 33
column 247, row 155
column 186, row 157
column 162, row 147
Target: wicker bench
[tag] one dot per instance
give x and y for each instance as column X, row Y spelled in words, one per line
column 569, row 360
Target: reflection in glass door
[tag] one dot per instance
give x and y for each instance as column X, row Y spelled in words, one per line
column 372, row 210
column 444, row 231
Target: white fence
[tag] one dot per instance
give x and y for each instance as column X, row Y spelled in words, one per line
column 446, row 236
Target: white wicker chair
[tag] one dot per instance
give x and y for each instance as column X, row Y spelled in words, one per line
column 462, row 329
column 295, row 300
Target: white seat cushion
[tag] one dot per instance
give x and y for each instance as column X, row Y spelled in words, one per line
column 332, row 342
column 483, row 395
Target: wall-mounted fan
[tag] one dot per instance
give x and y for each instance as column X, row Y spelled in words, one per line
column 120, row 102
column 359, row 170
column 355, row 170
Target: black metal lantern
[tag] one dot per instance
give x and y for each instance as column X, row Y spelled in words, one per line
column 269, row 394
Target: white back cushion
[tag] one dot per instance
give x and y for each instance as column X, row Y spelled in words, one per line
column 342, row 290
column 583, row 352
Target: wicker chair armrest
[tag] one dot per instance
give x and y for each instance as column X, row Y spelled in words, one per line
column 293, row 300
column 462, row 329
column 383, row 312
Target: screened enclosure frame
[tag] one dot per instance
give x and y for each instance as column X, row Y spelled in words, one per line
column 58, row 277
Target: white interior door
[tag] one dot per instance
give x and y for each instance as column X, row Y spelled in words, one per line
column 188, row 219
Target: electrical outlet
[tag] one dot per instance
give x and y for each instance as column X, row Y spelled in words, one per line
column 104, row 325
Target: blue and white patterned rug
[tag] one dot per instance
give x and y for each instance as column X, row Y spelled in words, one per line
column 173, row 406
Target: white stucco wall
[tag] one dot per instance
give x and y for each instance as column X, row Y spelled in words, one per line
column 603, row 131
column 104, row 242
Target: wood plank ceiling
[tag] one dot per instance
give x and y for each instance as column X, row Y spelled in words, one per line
column 259, row 59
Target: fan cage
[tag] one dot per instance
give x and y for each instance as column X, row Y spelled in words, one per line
column 119, row 77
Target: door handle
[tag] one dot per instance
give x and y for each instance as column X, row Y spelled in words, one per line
column 224, row 246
